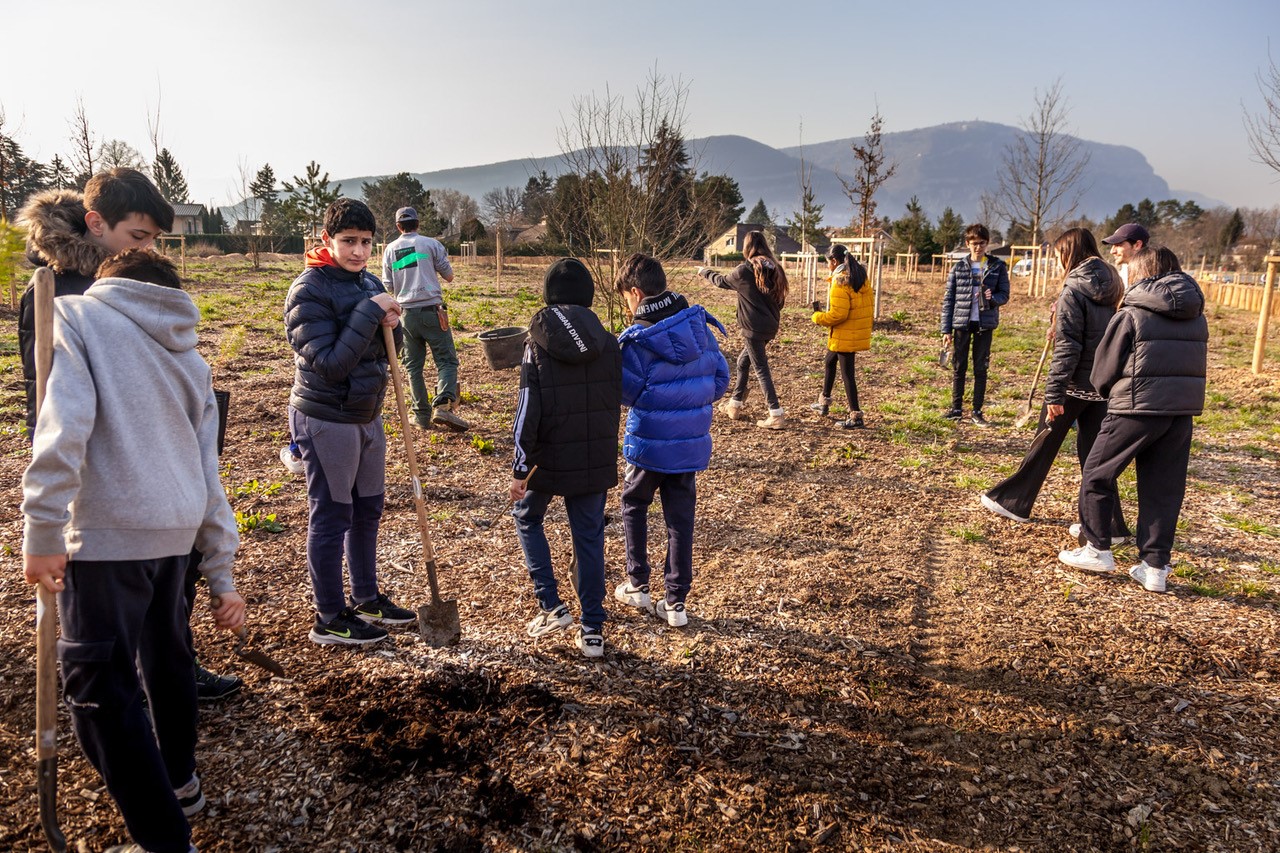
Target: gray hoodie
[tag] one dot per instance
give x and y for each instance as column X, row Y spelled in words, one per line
column 124, row 465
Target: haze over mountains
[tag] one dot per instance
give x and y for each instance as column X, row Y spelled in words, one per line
column 945, row 165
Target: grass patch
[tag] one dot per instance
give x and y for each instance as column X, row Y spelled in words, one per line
column 1248, row 525
column 967, row 534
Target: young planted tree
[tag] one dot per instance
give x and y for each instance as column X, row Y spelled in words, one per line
column 873, row 169
column 803, row 224
column 1263, row 127
column 387, row 195
column 169, row 178
column 503, row 206
column 1041, row 170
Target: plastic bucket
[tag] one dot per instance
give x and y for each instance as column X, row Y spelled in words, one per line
column 504, row 347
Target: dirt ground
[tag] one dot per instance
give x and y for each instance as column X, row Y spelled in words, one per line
column 872, row 659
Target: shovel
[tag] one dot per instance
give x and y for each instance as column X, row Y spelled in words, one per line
column 1027, row 409
column 46, row 605
column 253, row 656
column 438, row 621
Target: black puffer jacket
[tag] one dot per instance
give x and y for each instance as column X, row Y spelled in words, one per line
column 957, row 302
column 1153, row 358
column 335, row 330
column 570, row 403
column 758, row 314
column 1085, row 306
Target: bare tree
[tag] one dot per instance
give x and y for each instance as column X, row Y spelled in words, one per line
column 455, row 207
column 116, row 153
column 1041, row 169
column 628, row 182
column 1264, row 127
column 872, row 171
column 84, row 146
column 503, row 206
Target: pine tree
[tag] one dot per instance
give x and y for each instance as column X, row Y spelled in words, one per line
column 806, row 223
column 759, row 215
column 60, row 176
column 949, row 231
column 306, row 199
column 263, row 188
column 386, row 195
column 912, row 233
column 169, row 179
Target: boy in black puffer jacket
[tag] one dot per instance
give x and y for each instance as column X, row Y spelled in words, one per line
column 567, row 427
column 333, row 317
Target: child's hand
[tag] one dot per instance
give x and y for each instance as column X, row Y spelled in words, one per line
column 518, row 488
column 388, row 303
column 45, row 569
column 228, row 610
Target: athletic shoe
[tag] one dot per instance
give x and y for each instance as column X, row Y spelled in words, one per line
column 210, row 687
column 732, row 410
column 773, row 422
column 991, row 504
column 1077, row 532
column 953, row 414
column 382, row 611
column 1089, row 558
column 292, row 459
column 446, row 418
column 822, row 406
column 674, row 613
column 346, row 629
column 854, row 421
column 634, row 596
column 979, row 420
column 1152, row 579
column 549, row 620
column 190, row 797
column 591, row 641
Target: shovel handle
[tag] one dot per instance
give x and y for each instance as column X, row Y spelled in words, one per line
column 406, row 429
column 1048, row 342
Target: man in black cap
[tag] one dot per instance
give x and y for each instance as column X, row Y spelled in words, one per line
column 1125, row 243
column 412, row 266
column 566, row 443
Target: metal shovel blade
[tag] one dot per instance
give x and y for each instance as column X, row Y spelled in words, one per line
column 439, row 624
column 1028, row 412
column 255, row 657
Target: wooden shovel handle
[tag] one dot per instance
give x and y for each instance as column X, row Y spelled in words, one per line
column 388, row 336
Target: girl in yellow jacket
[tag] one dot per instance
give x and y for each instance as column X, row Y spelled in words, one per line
column 850, row 304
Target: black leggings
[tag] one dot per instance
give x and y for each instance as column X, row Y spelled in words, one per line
column 845, row 360
column 752, row 355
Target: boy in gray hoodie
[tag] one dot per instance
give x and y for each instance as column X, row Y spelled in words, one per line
column 123, row 483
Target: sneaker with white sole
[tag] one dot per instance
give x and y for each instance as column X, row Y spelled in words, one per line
column 382, row 611
column 591, row 641
column 1151, row 578
column 1089, row 558
column 292, row 459
column 634, row 596
column 547, row 621
column 1077, row 533
column 675, row 614
column 995, row 507
column 190, row 797
column 345, row 629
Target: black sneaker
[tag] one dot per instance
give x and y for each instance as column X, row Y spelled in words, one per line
column 346, row 629
column 381, row 611
column 979, row 420
column 210, row 687
column 953, row 414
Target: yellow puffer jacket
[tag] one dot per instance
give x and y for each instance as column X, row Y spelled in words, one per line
column 848, row 314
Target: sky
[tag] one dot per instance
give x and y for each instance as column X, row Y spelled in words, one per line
column 376, row 87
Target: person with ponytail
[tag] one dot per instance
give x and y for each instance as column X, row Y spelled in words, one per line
column 850, row 305
column 761, row 286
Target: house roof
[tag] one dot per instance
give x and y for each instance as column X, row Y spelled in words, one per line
column 187, row 209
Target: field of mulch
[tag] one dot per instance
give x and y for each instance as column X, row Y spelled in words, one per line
column 872, row 659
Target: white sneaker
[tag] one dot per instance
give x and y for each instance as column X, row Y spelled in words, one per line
column 999, row 510
column 591, row 641
column 634, row 596
column 549, row 620
column 1089, row 558
column 1152, row 579
column 674, row 613
column 293, row 463
column 1077, row 531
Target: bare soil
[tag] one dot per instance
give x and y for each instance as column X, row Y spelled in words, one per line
column 872, row 659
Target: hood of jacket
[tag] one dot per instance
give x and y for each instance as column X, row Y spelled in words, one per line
column 679, row 339
column 54, row 221
column 1176, row 296
column 165, row 313
column 569, row 333
column 1093, row 277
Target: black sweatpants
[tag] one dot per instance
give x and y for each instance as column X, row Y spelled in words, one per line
column 962, row 340
column 1160, row 445
column 846, row 362
column 679, row 495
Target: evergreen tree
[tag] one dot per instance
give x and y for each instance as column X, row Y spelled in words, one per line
column 169, row 179
column 805, row 224
column 306, row 199
column 20, row 176
column 1232, row 231
column 912, row 233
column 387, row 195
column 212, row 221
column 60, row 177
column 720, row 200
column 667, row 189
column 536, row 197
column 1126, row 214
column 1146, row 214
column 949, row 231
column 759, row 215
column 263, row 188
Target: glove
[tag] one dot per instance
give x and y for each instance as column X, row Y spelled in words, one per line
column 817, row 306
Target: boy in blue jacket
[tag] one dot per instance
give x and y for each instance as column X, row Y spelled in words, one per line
column 672, row 374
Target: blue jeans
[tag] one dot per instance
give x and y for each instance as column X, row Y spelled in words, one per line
column 586, row 520
column 422, row 332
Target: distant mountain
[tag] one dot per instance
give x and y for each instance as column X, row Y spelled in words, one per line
column 946, row 165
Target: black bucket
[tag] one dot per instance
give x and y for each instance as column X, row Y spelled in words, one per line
column 504, row 347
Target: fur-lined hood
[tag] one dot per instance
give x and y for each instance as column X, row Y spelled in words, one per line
column 54, row 220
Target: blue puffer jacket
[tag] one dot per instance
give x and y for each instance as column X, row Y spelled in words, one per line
column 672, row 374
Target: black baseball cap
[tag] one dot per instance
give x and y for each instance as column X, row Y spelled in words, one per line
column 1130, row 233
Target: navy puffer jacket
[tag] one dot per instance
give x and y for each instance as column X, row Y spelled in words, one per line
column 957, row 302
column 335, row 329
column 672, row 374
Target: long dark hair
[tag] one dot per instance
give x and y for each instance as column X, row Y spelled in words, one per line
column 770, row 279
column 856, row 272
column 1074, row 247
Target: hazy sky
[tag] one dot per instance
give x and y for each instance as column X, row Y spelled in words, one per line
column 377, row 87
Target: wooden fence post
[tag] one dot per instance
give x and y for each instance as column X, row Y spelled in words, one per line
column 1264, row 316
